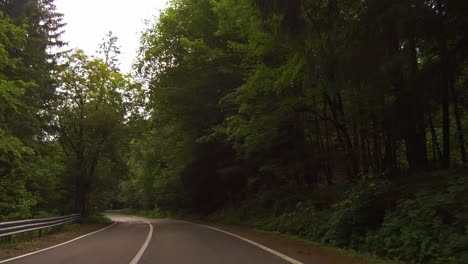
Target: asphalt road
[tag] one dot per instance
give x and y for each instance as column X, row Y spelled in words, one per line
column 131, row 241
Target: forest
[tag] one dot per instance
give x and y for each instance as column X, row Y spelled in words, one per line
column 342, row 122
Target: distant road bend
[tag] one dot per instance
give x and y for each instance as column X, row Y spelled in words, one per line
column 133, row 240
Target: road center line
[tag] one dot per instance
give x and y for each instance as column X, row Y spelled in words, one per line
column 144, row 246
column 272, row 251
column 61, row 244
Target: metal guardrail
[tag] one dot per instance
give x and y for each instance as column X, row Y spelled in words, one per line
column 24, row 226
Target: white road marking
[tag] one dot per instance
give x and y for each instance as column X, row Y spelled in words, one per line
column 144, row 246
column 272, row 251
column 61, row 244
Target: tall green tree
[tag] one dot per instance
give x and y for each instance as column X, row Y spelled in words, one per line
column 15, row 200
column 38, row 55
column 89, row 120
column 30, row 32
column 188, row 70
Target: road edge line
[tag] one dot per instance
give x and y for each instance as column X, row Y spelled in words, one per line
column 269, row 250
column 55, row 246
column 144, row 246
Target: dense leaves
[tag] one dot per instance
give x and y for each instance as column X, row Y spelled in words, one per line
column 421, row 227
column 16, row 201
column 333, row 100
column 62, row 117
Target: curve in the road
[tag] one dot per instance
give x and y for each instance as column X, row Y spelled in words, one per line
column 272, row 251
column 178, row 242
column 144, row 246
column 175, row 242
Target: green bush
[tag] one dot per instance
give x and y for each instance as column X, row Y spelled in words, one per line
column 304, row 221
column 361, row 209
column 408, row 221
column 431, row 227
column 228, row 215
column 15, row 200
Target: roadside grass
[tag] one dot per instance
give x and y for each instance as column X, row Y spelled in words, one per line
column 370, row 258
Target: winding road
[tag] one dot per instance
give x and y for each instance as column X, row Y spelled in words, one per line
column 132, row 240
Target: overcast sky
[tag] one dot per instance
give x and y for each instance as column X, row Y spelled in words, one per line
column 89, row 20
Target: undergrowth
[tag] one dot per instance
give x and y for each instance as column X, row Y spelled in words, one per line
column 396, row 219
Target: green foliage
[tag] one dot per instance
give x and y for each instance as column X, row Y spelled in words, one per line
column 361, row 210
column 90, row 124
column 15, row 200
column 183, row 61
column 429, row 227
column 422, row 227
column 42, row 152
column 11, row 148
column 300, row 221
column 46, row 176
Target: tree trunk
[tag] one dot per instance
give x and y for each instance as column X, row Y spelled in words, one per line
column 328, row 166
column 364, row 155
column 80, row 189
column 456, row 114
column 443, row 53
column 377, row 153
column 415, row 125
column 437, row 154
column 343, row 134
column 445, row 124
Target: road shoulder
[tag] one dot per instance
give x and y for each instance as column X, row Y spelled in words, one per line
column 17, row 249
column 300, row 250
